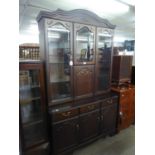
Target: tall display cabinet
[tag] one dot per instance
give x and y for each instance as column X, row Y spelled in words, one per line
column 76, row 47
column 32, row 109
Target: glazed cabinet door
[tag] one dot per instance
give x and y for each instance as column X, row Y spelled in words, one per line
column 65, row 135
column 83, row 81
column 109, row 119
column 89, row 125
column 59, row 61
column 32, row 105
column 84, row 44
column 103, row 60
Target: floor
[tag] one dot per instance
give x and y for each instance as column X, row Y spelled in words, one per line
column 120, row 144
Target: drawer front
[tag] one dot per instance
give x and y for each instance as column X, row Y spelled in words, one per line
column 89, row 107
column 58, row 116
column 109, row 101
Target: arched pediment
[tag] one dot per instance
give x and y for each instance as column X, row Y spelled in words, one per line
column 78, row 16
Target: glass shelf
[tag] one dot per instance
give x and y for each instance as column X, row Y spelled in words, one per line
column 59, row 81
column 28, row 100
column 32, row 122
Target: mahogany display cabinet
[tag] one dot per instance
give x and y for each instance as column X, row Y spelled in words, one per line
column 32, row 109
column 76, row 47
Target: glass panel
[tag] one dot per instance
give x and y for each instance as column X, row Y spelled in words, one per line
column 60, row 81
column 59, row 59
column 34, row 133
column 31, row 111
column 84, row 45
column 29, row 95
column 104, row 46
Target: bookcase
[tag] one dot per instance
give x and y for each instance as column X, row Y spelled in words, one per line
column 29, row 52
column 32, row 109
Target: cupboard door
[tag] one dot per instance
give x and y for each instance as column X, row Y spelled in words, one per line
column 84, row 41
column 43, row 149
column 88, row 125
column 83, row 81
column 108, row 118
column 124, row 115
column 59, row 60
column 65, row 135
column 103, row 59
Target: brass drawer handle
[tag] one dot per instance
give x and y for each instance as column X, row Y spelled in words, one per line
column 90, row 107
column 109, row 101
column 66, row 113
column 122, row 95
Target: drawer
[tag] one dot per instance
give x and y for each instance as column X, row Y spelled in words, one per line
column 90, row 107
column 62, row 115
column 109, row 101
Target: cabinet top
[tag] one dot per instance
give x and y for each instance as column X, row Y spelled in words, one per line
column 77, row 15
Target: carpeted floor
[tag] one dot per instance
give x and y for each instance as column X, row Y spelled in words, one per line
column 120, row 144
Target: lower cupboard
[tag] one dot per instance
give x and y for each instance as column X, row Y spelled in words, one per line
column 73, row 127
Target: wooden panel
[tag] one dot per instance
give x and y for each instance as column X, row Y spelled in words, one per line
column 84, row 81
column 108, row 102
column 133, row 106
column 125, row 68
column 88, row 126
column 65, row 135
column 108, row 118
column 61, row 115
column 40, row 150
column 77, row 15
column 116, row 68
column 126, row 106
column 89, row 107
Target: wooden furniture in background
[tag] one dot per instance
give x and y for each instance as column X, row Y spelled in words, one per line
column 121, row 68
column 33, row 112
column 29, row 52
column 126, row 95
column 133, row 75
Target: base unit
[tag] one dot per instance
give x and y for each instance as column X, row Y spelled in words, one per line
column 75, row 126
